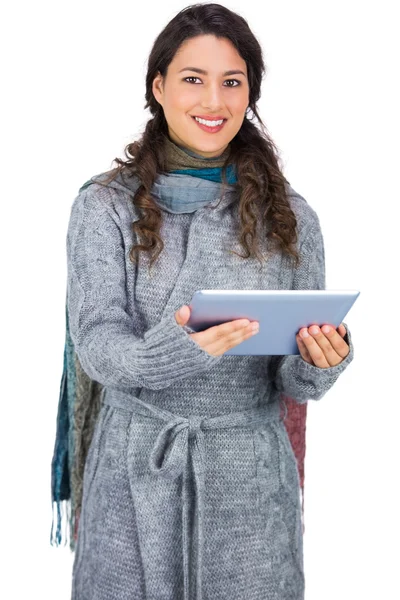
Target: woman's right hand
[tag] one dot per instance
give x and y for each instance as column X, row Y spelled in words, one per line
column 218, row 339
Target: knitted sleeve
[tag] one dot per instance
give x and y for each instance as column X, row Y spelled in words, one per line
column 291, row 374
column 100, row 326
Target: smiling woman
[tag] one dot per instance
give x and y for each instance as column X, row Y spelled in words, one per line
column 191, row 489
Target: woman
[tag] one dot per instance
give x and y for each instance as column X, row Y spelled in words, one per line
column 191, row 488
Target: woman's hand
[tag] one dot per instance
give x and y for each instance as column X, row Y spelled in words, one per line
column 218, row 339
column 323, row 347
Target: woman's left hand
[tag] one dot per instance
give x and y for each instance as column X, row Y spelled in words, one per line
column 323, row 347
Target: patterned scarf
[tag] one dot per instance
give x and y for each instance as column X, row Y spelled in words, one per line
column 80, row 397
column 184, row 161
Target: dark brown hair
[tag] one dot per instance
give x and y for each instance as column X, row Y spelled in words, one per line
column 261, row 183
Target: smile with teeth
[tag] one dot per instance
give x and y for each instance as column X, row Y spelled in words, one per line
column 209, row 123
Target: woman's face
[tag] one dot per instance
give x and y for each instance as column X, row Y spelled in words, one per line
column 185, row 93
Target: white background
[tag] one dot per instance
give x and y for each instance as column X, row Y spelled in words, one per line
column 73, row 96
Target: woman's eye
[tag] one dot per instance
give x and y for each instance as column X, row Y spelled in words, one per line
column 237, row 82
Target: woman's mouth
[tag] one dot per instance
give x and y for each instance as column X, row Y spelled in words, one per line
column 207, row 128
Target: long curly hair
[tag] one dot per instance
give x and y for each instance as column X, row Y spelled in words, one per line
column 260, row 181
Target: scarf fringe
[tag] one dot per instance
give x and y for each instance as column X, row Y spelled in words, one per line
column 62, row 515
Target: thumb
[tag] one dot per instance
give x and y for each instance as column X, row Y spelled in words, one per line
column 182, row 315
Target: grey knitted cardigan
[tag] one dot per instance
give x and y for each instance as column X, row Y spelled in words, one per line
column 191, row 487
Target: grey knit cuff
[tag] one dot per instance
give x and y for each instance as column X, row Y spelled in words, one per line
column 168, row 354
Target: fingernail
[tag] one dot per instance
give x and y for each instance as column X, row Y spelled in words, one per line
column 304, row 333
column 325, row 329
column 314, row 329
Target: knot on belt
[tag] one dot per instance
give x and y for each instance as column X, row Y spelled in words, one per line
column 195, row 423
column 170, row 451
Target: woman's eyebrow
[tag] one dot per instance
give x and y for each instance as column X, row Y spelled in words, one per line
column 203, row 72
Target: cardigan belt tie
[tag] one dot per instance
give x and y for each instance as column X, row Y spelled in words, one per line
column 179, row 450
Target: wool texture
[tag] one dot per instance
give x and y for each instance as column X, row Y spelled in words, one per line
column 177, row 458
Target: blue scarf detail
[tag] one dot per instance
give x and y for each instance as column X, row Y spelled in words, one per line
column 212, row 174
column 64, row 443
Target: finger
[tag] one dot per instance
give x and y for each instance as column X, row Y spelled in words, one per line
column 316, row 352
column 336, row 340
column 303, row 350
column 331, row 343
column 323, row 340
column 342, row 330
column 182, row 315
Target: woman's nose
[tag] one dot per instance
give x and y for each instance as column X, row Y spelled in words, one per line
column 212, row 97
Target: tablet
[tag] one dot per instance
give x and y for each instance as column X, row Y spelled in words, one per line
column 280, row 313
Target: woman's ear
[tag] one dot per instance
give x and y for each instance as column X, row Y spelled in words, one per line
column 157, row 88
